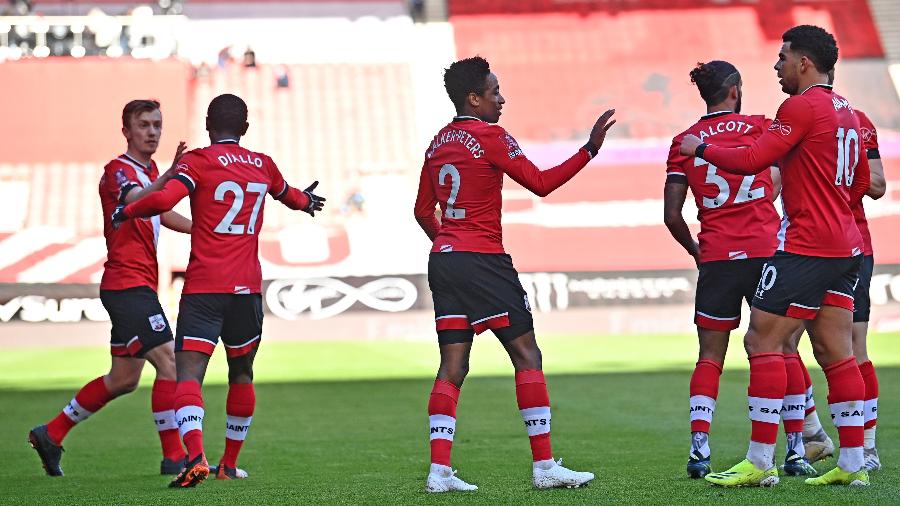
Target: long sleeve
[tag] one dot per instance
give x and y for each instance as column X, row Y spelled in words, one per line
column 862, row 178
column 508, row 157
column 790, row 126
column 158, row 202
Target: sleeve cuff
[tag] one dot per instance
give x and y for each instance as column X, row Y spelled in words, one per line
column 698, row 152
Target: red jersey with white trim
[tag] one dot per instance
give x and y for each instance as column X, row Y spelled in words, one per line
column 228, row 186
column 870, row 142
column 737, row 217
column 815, row 136
column 130, row 249
column 463, row 173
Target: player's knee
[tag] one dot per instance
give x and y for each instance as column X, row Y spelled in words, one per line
column 122, row 385
column 454, row 373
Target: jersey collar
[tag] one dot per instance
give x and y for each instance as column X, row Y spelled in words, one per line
column 826, row 86
column 716, row 114
column 465, row 118
column 145, row 168
column 226, row 141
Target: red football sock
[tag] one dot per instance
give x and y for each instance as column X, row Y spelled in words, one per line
column 794, row 409
column 704, row 392
column 846, row 390
column 442, row 420
column 189, row 415
column 90, row 399
column 807, row 383
column 534, row 405
column 768, row 383
column 239, row 410
column 162, row 401
column 871, row 380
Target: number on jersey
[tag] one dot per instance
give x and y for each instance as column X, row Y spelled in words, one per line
column 455, row 180
column 745, row 192
column 227, row 225
column 846, row 170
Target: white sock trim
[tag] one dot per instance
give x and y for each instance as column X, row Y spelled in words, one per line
column 75, row 412
column 762, row 455
column 848, row 413
column 441, row 427
column 189, row 418
column 236, row 427
column 165, row 420
column 537, row 420
column 702, row 408
column 851, row 460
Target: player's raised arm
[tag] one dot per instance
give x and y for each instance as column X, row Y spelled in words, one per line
column 791, row 124
column 424, row 208
column 543, row 182
column 135, row 192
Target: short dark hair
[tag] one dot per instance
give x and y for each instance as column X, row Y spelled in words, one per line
column 227, row 113
column 714, row 79
column 136, row 107
column 464, row 77
column 814, row 43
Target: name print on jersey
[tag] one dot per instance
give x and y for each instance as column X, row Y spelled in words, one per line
column 725, row 126
column 460, row 136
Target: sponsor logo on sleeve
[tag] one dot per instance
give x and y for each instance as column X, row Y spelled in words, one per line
column 157, row 323
column 781, row 127
column 512, row 147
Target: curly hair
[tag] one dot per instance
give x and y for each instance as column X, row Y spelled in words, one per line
column 714, row 79
column 136, row 107
column 815, row 43
column 227, row 113
column 464, row 77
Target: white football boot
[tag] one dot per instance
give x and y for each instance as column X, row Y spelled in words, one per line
column 818, row 446
column 443, row 479
column 550, row 474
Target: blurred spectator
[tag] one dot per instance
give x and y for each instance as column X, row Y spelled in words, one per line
column 354, row 203
column 417, row 10
column 224, row 56
column 282, row 80
column 20, row 7
column 249, row 57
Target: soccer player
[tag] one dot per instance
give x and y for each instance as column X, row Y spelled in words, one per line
column 818, row 443
column 227, row 184
column 473, row 282
column 738, row 226
column 811, row 277
column 140, row 331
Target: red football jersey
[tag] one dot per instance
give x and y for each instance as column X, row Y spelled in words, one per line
column 816, row 138
column 228, row 186
column 737, row 217
column 463, row 172
column 130, row 249
column 870, row 143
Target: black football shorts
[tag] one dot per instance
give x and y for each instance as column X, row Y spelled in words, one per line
column 139, row 323
column 474, row 292
column 862, row 304
column 203, row 317
column 798, row 285
column 721, row 287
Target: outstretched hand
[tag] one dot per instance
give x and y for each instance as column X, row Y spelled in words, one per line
column 603, row 124
column 316, row 203
column 689, row 144
column 179, row 152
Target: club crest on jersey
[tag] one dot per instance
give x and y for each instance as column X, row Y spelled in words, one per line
column 778, row 126
column 157, row 323
column 512, row 146
column 121, row 178
column 840, row 103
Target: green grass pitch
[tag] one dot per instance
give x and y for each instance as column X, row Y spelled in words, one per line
column 345, row 423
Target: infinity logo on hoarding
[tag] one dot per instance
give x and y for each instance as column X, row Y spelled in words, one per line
column 327, row 297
